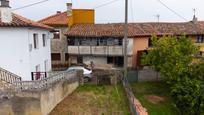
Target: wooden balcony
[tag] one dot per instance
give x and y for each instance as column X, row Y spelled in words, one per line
column 115, row 50
column 99, row 50
column 96, row 50
column 199, row 44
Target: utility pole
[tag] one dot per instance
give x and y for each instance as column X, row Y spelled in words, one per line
column 158, row 18
column 125, row 38
column 194, row 11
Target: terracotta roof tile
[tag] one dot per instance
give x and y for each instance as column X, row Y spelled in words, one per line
column 59, row 19
column 19, row 21
column 136, row 29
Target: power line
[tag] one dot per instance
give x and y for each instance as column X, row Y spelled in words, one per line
column 102, row 5
column 162, row 3
column 99, row 6
column 193, row 24
column 29, row 5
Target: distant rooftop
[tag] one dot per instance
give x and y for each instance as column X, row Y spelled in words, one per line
column 19, row 21
column 58, row 19
column 136, row 29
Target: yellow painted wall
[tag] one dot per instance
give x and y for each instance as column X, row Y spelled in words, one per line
column 141, row 43
column 201, row 45
column 81, row 16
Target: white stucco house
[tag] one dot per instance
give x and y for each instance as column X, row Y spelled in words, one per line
column 24, row 44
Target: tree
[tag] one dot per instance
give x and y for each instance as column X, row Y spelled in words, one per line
column 173, row 57
column 187, row 95
column 170, row 56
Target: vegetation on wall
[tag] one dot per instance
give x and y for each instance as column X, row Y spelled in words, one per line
column 174, row 57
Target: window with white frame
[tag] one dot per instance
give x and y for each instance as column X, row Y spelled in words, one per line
column 56, row 34
column 44, row 39
column 200, row 39
column 37, row 68
column 46, row 65
column 35, row 41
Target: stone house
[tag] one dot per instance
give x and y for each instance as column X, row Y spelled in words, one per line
column 61, row 22
column 58, row 21
column 103, row 43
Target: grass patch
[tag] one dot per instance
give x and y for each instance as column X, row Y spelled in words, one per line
column 92, row 99
column 155, row 97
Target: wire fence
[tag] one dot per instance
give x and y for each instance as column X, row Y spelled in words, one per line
column 134, row 105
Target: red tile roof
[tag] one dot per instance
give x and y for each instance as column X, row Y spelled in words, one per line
column 59, row 19
column 136, row 29
column 19, row 21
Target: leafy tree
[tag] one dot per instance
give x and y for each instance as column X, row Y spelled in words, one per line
column 173, row 57
column 187, row 95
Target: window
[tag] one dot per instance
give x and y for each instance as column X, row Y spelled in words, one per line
column 44, row 40
column 85, row 41
column 102, row 41
column 94, row 42
column 56, row 34
column 55, row 56
column 37, row 68
column 150, row 42
column 35, row 40
column 66, row 57
column 199, row 39
column 110, row 41
column 71, row 42
column 36, row 75
column 46, row 65
column 120, row 41
column 79, row 59
column 110, row 60
column 30, row 47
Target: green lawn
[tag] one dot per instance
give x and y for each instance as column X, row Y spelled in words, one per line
column 155, row 97
column 94, row 100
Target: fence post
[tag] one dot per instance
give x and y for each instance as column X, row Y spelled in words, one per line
column 80, row 77
column 32, row 75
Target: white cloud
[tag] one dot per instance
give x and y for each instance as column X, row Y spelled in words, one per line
column 143, row 10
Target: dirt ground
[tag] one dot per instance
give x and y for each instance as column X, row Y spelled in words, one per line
column 94, row 100
column 154, row 99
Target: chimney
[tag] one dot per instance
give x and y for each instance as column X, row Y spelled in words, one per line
column 69, row 9
column 195, row 19
column 5, row 11
column 58, row 12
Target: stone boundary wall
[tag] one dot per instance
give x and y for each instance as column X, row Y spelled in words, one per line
column 37, row 102
column 148, row 74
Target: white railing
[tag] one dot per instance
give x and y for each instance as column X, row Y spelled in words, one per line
column 46, row 82
column 8, row 77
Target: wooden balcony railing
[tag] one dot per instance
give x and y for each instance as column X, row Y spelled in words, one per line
column 96, row 50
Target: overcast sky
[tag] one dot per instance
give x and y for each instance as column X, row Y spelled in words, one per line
column 139, row 10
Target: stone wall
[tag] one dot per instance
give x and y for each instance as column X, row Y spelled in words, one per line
column 20, row 106
column 148, row 74
column 50, row 98
column 60, row 45
column 106, row 76
column 36, row 102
